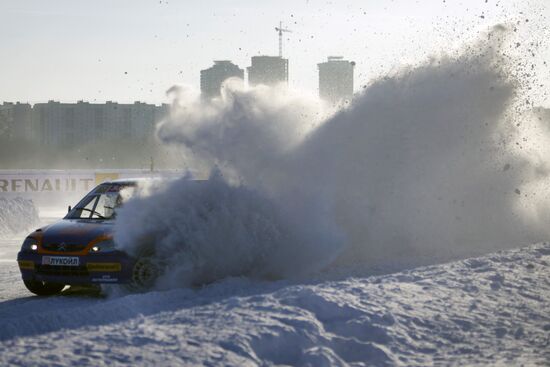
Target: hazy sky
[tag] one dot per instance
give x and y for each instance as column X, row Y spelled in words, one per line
column 128, row 50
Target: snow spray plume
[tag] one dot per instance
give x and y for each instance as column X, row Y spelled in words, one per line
column 208, row 230
column 242, row 130
column 423, row 166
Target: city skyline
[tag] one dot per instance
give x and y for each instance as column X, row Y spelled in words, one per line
column 69, row 51
column 264, row 70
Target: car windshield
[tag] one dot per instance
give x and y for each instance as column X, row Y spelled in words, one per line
column 102, row 202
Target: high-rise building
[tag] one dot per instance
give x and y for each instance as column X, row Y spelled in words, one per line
column 16, row 121
column 268, row 70
column 336, row 79
column 213, row 77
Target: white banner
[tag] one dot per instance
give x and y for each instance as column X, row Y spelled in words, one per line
column 48, row 184
column 43, row 183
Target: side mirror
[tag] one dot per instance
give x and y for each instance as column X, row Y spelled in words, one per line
column 69, row 209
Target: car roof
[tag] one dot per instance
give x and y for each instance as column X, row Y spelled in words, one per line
column 136, row 180
column 128, row 181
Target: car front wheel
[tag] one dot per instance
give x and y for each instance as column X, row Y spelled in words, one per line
column 43, row 288
column 145, row 272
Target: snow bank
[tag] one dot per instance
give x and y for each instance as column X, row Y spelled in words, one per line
column 17, row 215
column 486, row 310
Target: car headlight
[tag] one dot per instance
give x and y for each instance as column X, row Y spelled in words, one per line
column 30, row 244
column 104, row 246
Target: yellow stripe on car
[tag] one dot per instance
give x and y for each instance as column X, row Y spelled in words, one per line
column 26, row 264
column 103, row 266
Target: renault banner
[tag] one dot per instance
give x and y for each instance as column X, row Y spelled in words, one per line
column 47, row 185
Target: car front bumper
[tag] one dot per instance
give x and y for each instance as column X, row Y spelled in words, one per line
column 110, row 267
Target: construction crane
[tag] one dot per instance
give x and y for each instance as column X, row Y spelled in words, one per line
column 280, row 29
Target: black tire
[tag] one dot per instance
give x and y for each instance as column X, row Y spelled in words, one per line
column 145, row 272
column 43, row 288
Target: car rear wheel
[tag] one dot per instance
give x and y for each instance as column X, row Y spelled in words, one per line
column 41, row 288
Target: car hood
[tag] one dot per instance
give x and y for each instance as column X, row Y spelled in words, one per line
column 76, row 231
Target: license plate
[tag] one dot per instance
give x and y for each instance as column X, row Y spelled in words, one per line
column 60, row 260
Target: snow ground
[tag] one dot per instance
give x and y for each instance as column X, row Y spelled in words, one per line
column 492, row 309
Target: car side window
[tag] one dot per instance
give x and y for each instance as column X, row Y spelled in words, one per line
column 106, row 204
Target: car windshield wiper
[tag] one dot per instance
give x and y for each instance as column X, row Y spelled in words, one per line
column 93, row 212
